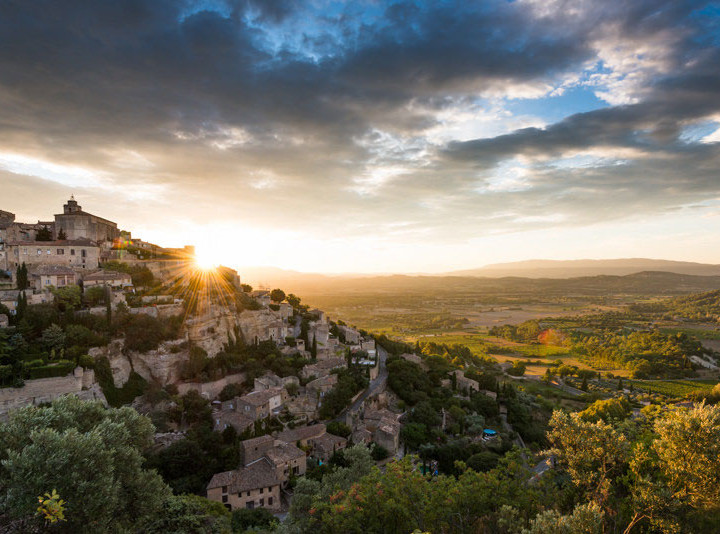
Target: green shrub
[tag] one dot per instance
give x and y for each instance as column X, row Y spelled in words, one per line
column 86, row 361
column 59, row 369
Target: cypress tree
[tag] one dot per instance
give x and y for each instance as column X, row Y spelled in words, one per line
column 313, row 349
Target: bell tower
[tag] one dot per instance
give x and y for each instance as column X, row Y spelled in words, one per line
column 72, row 206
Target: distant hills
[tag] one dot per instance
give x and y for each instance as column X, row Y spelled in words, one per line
column 533, row 269
column 577, row 268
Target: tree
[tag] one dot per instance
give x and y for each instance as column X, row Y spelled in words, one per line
column 68, row 298
column 313, row 348
column 593, row 453
column 53, row 337
column 92, row 457
column 607, row 410
column 688, row 448
column 188, row 514
column 244, row 519
column 277, row 295
column 247, row 288
column 44, row 234
column 22, row 277
column 620, row 385
column 293, row 300
column 62, row 236
column 584, row 385
column 338, row 428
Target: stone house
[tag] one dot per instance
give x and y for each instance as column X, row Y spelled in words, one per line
column 78, row 254
column 303, row 436
column 252, row 486
column 385, row 428
column 43, row 277
column 288, row 460
column 255, row 448
column 352, row 336
column 112, row 279
column 230, row 417
column 261, row 404
column 323, row 367
column 465, row 384
column 321, row 332
column 319, row 387
column 326, row 445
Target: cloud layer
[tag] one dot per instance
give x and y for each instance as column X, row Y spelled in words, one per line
column 408, row 121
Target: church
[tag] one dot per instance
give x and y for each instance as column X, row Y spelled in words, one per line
column 76, row 223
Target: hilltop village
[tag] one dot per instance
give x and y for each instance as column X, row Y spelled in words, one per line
column 163, row 397
column 326, row 376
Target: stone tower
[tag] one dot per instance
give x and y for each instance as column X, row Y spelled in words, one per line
column 72, row 206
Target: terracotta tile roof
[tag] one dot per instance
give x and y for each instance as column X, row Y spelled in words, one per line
column 107, row 275
column 258, row 398
column 329, row 443
column 301, row 433
column 48, row 270
column 259, row 474
column 255, row 442
column 283, row 453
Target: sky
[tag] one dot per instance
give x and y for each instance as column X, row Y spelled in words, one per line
column 370, row 136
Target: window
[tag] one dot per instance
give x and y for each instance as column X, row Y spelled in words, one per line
column 39, row 252
column 261, row 490
column 72, row 251
column 269, row 501
column 248, row 494
column 25, row 251
column 83, row 253
column 262, row 502
column 250, row 505
column 61, row 252
column 49, row 252
column 225, row 498
column 224, row 489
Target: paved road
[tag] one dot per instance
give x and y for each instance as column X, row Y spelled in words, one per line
column 375, row 386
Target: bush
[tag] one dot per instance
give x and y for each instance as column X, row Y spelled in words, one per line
column 244, row 519
column 86, row 361
column 59, row 369
column 379, row 453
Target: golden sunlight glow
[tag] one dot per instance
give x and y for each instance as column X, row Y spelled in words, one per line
column 206, row 258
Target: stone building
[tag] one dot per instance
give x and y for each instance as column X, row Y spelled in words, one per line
column 107, row 278
column 261, row 404
column 252, row 486
column 77, row 224
column 76, row 253
column 46, row 276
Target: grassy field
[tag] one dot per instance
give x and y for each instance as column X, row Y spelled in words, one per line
column 537, row 357
column 699, row 333
column 672, row 388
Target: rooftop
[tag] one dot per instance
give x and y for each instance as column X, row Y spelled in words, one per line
column 107, row 275
column 283, row 453
column 82, row 242
column 259, row 474
column 301, row 433
column 258, row 398
column 48, row 270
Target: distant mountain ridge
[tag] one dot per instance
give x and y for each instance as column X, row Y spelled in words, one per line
column 580, row 268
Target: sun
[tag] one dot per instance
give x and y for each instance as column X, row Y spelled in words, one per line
column 205, row 259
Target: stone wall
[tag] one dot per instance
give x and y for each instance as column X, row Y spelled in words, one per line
column 211, row 390
column 79, row 382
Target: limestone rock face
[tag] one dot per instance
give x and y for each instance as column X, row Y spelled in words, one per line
column 210, row 329
column 256, row 324
column 119, row 364
column 163, row 365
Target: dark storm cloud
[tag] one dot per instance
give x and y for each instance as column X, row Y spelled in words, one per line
column 214, row 92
